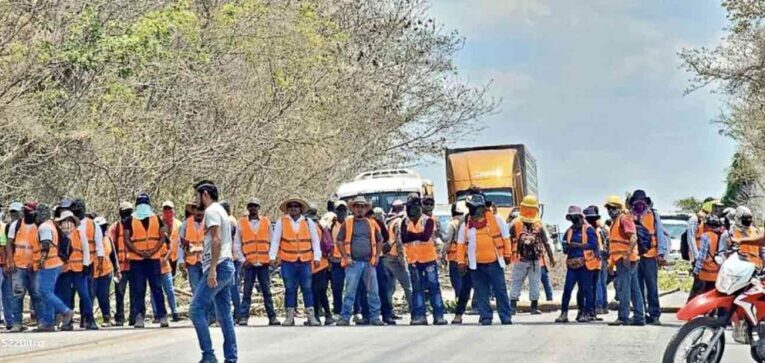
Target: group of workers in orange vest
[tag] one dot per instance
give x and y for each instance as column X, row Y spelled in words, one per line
column 355, row 253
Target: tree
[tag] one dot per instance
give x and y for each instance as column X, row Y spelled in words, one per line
column 688, row 205
column 102, row 99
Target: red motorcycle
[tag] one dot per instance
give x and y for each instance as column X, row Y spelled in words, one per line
column 738, row 300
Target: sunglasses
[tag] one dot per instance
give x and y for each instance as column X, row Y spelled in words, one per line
column 429, row 203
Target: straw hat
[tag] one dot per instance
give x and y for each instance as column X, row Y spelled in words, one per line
column 303, row 204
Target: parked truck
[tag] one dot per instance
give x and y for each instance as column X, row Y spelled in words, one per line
column 505, row 173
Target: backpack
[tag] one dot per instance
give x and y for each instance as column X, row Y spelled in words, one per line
column 64, row 245
column 684, row 251
column 529, row 248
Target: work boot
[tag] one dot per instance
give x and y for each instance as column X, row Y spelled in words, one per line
column 578, row 315
column 440, row 321
column 138, row 321
column 312, row 321
column 507, row 322
column 273, row 321
column 163, row 322
column 457, row 319
column 209, row 359
column 242, row 321
column 119, row 323
column 389, row 321
column 290, row 320
column 91, row 324
column 485, row 322
column 652, row 321
column 66, row 320
column 535, row 308
column 419, row 321
column 176, row 318
column 513, row 306
column 376, row 322
column 363, row 322
column 107, row 322
column 343, row 322
column 17, row 328
column 328, row 320
column 583, row 318
column 562, row 319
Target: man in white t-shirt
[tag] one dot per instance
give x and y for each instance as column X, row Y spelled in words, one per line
column 218, row 275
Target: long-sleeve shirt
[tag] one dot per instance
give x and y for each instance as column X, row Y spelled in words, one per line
column 426, row 234
column 276, row 237
column 704, row 251
column 471, row 241
column 98, row 238
column 255, row 223
column 662, row 240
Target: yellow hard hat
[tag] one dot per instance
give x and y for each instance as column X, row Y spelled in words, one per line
column 614, row 201
column 707, row 207
column 530, row 201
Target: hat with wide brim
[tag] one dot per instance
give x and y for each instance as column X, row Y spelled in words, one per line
column 358, row 200
column 303, row 204
column 574, row 211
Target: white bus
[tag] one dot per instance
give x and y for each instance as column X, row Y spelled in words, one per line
column 383, row 187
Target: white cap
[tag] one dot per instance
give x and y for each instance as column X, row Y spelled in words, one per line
column 168, row 204
column 398, row 203
column 100, row 221
column 15, row 207
column 64, row 215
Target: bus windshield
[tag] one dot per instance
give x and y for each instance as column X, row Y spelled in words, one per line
column 501, row 197
column 385, row 200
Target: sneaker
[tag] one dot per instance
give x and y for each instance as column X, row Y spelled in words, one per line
column 618, row 322
column 583, row 318
column 155, row 321
column 457, row 320
column 357, row 318
column 440, row 321
column 209, row 359
column 274, row 321
column 91, row 325
column 328, row 320
column 343, row 322
column 377, row 322
column 364, row 321
column 637, row 323
column 562, row 319
column 18, row 329
column 242, row 321
column 119, row 323
column 139, row 321
column 389, row 321
column 66, row 320
column 485, row 322
column 507, row 322
column 45, row 329
column 176, row 318
column 163, row 322
column 652, row 321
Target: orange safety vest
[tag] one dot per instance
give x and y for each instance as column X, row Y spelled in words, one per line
column 648, row 221
column 336, row 256
column 196, row 238
column 107, row 267
column 175, row 239
column 618, row 242
column 752, row 252
column 255, row 244
column 76, row 257
column 52, row 260
column 324, row 261
column 489, row 243
column 516, row 229
column 393, row 233
column 122, row 255
column 348, row 225
column 709, row 270
column 145, row 239
column 90, row 233
column 419, row 251
column 295, row 246
column 591, row 258
column 451, row 252
column 24, row 243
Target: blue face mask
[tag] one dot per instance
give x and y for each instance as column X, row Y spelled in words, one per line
column 639, row 207
column 143, row 211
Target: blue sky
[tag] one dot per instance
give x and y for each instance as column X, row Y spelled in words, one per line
column 594, row 88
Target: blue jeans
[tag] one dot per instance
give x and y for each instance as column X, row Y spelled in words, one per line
column 386, row 305
column 486, row 277
column 220, row 296
column 101, row 286
column 601, row 293
column 338, row 282
column 120, row 290
column 465, row 283
column 582, row 278
column 545, row 278
column 263, row 276
column 297, row 274
column 6, row 294
column 236, row 299
column 648, row 276
column 143, row 270
column 24, row 280
column 353, row 274
column 169, row 291
column 51, row 304
column 628, row 290
column 455, row 278
column 195, row 276
column 425, row 277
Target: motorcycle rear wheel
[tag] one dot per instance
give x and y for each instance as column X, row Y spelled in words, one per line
column 696, row 330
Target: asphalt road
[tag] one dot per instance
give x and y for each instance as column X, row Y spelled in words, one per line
column 530, row 339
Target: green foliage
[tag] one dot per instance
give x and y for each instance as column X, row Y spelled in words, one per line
column 676, row 277
column 688, row 205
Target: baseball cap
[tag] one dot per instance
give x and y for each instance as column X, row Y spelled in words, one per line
column 126, row 206
column 15, row 207
column 168, row 204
